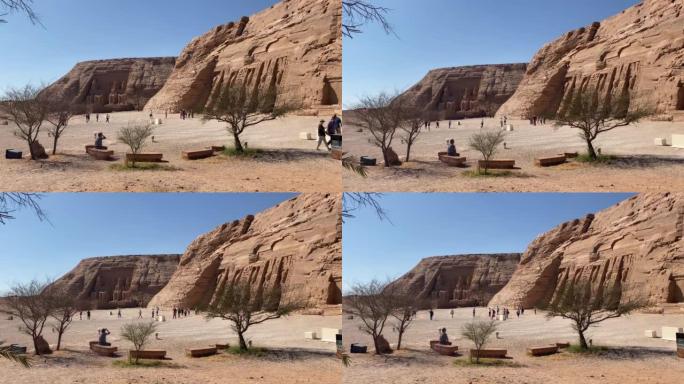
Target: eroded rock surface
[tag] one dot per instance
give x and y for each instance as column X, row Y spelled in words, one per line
column 638, row 54
column 465, row 92
column 635, row 246
column 294, row 246
column 112, row 85
column 118, row 281
column 462, row 280
column 293, row 48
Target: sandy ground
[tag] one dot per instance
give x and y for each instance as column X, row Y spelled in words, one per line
column 293, row 359
column 646, row 167
column 634, row 359
column 288, row 164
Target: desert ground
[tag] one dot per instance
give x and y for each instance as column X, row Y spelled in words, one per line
column 642, row 166
column 632, row 358
column 291, row 358
column 286, row 164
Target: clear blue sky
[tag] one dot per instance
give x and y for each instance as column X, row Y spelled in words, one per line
column 446, row 33
column 79, row 30
column 127, row 223
column 433, row 224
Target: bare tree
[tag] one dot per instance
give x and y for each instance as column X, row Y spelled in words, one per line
column 59, row 114
column 353, row 201
column 370, row 303
column 21, row 6
column 241, row 106
column 244, row 307
column 358, row 13
column 487, row 143
column 404, row 307
column 28, row 303
column 135, row 136
column 586, row 308
column 381, row 117
column 11, row 201
column 411, row 125
column 593, row 114
column 27, row 110
column 64, row 309
column 138, row 334
column 479, row 333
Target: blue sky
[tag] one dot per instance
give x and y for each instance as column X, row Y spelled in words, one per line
column 446, row 33
column 127, row 223
column 434, row 224
column 79, row 30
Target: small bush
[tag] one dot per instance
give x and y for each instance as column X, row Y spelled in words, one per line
column 246, row 152
column 252, row 352
column 600, row 159
column 592, row 350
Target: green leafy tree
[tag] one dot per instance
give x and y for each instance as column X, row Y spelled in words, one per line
column 139, row 335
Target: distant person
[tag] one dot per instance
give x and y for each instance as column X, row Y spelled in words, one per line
column 99, row 138
column 452, row 313
column 87, row 117
column 166, row 114
column 97, row 117
column 449, row 124
column 443, row 337
column 107, row 118
column 321, row 135
column 331, row 131
column 174, row 312
column 88, row 314
column 153, row 313
column 80, row 315
column 102, row 337
column 482, row 124
column 140, row 314
column 118, row 314
column 451, row 150
column 473, row 311
column 437, row 124
column 151, row 116
column 432, row 314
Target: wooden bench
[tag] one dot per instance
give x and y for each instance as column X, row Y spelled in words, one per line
column 90, row 146
column 452, row 161
column 550, row 161
column 102, row 350
column 563, row 345
column 489, row 353
column 443, row 349
column 199, row 154
column 145, row 157
column 154, row 354
column 100, row 154
column 222, row 346
column 571, row 155
column 543, row 350
column 218, row 148
column 496, row 164
column 201, row 352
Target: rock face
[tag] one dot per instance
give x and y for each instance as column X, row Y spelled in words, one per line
column 293, row 48
column 118, row 281
column 635, row 245
column 112, row 85
column 464, row 92
column 454, row 281
column 638, row 54
column 294, row 246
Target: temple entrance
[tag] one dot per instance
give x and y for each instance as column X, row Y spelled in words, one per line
column 680, row 97
column 331, row 91
column 334, row 293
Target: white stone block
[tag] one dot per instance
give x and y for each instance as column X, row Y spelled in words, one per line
column 310, row 335
column 161, row 318
column 650, row 333
column 502, row 317
column 678, row 141
column 157, row 121
column 305, row 136
column 509, row 127
column 659, row 141
column 670, row 333
column 329, row 334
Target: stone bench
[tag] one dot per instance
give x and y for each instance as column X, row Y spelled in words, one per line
column 90, row 146
column 670, row 333
column 489, row 353
column 220, row 346
column 145, row 157
column 152, row 354
column 452, row 161
column 443, row 349
column 563, row 345
column 542, row 350
column 496, row 164
column 102, row 350
column 329, row 334
column 550, row 161
column 100, row 154
column 200, row 352
column 218, row 148
column 198, row 154
column 571, row 155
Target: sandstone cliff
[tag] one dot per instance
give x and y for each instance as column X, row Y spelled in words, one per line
column 635, row 245
column 118, row 281
column 293, row 48
column 463, row 280
column 112, row 85
column 294, row 246
column 638, row 53
column 464, row 92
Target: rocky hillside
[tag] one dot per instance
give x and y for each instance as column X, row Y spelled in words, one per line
column 464, row 92
column 635, row 245
column 118, row 281
column 293, row 48
column 638, row 53
column 462, row 280
column 295, row 246
column 112, row 85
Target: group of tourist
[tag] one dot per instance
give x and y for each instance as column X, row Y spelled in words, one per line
column 503, row 121
column 80, row 315
column 180, row 312
column 97, row 117
column 534, row 120
column 186, row 114
column 505, row 312
column 332, row 129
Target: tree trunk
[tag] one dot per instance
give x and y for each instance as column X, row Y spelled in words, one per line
column 590, row 150
column 243, row 343
column 384, row 156
column 54, row 145
column 401, row 334
column 408, row 151
column 238, row 143
column 35, row 344
column 59, row 339
column 30, row 144
column 375, row 344
column 583, row 341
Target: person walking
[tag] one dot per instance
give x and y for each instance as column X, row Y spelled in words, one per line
column 432, row 314
column 118, row 313
column 88, row 314
column 107, row 118
column 321, row 136
column 97, row 117
column 452, row 313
